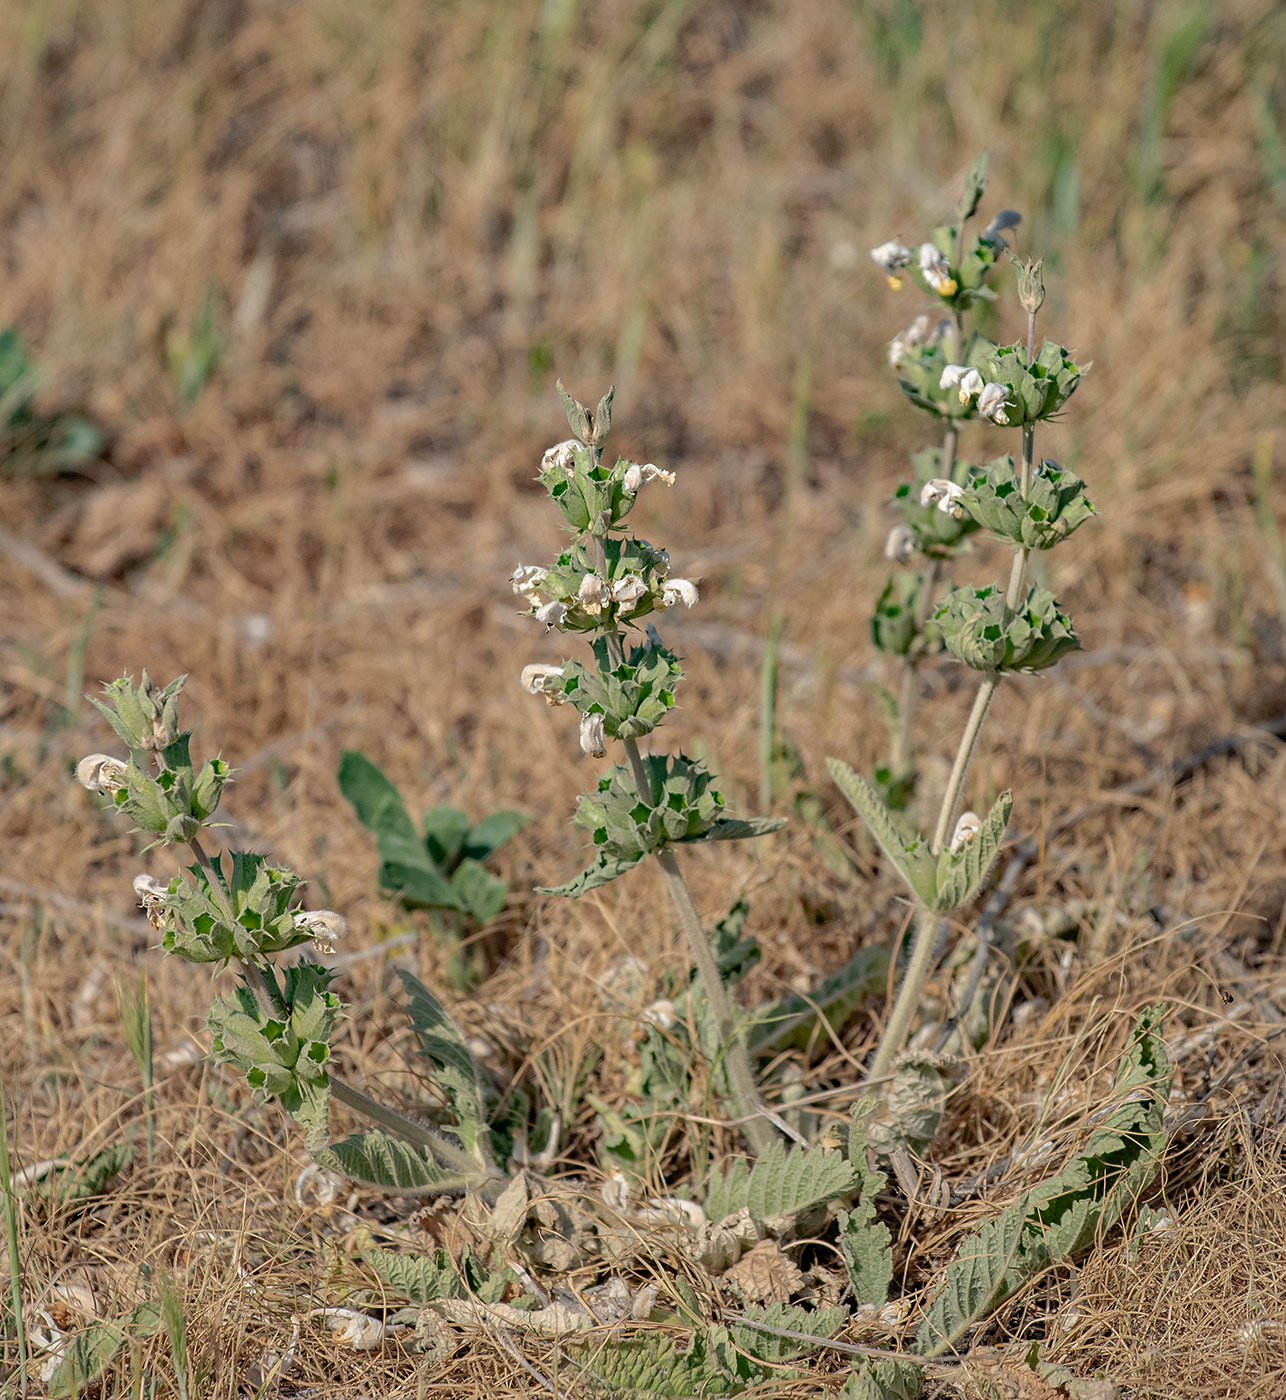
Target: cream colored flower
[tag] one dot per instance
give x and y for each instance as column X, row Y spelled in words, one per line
column 540, row 678
column 592, row 737
column 629, row 590
column 526, row 579
column 943, row 494
column 992, row 401
column 100, row 772
column 638, row 476
column 936, row 270
column 552, row 614
column 891, row 256
column 662, row 1013
column 561, row 456
column 963, row 378
column 149, row 891
column 679, row 590
column 324, row 927
column 967, row 828
column 593, row 594
column 900, row 543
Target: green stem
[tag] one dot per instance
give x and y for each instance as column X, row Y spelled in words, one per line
column 926, row 940
column 11, row 1239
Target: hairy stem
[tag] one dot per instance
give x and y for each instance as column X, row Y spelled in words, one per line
column 902, row 761
column 928, row 931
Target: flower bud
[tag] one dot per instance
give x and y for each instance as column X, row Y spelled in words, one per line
column 100, row 772
column 967, row 828
column 324, row 926
column 945, row 495
column 991, row 402
column 542, row 679
column 180, row 829
column 900, row 543
column 679, row 590
column 592, row 737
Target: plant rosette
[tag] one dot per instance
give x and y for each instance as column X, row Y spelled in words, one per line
column 1056, row 503
column 937, row 533
column 1035, row 391
column 634, row 697
column 252, row 916
column 893, row 623
column 685, row 805
column 574, row 597
column 921, row 370
column 981, row 631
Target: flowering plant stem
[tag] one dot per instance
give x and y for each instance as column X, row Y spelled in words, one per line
column 747, row 1107
column 930, row 925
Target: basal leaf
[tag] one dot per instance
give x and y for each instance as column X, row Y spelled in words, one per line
column 788, row 1024
column 377, row 1159
column 981, row 1275
column 492, row 832
column 822, row 1322
column 604, row 870
column 443, row 1045
column 373, row 797
column 418, row 886
column 780, row 1182
column 482, row 891
column 419, row 1278
column 883, row 1380
column 445, row 830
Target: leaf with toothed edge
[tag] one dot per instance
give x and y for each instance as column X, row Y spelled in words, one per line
column 913, row 861
column 961, row 873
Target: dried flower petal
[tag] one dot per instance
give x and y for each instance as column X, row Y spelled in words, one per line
column 324, row 926
column 945, row 495
column 593, row 594
column 361, row 1331
column 629, row 589
column 991, row 402
column 100, row 772
column 592, row 737
column 560, row 455
column 967, row 828
column 552, row 613
column 526, row 579
column 679, row 590
column 638, row 476
column 540, row 678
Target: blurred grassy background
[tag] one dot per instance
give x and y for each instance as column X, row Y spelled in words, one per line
column 312, row 268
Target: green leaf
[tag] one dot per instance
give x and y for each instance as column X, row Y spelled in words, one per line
column 376, row 1159
column 779, row 1183
column 824, row 1322
column 981, row 1275
column 865, row 1243
column 737, row 829
column 789, row 1023
column 443, row 1045
column 482, row 892
column 961, row 874
column 913, row 863
column 419, row 1278
column 975, row 183
column 492, row 832
column 604, row 870
column 883, row 1380
column 89, row 1350
column 373, row 797
column 420, row 887
column 445, row 829
column 78, row 1181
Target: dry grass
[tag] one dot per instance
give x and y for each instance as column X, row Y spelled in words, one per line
column 406, row 220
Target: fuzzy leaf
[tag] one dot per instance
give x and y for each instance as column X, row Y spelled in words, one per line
column 376, row 1159
column 419, row 1278
column 78, row 1181
column 788, row 1024
column 482, row 891
column 824, row 1322
column 779, row 1183
column 443, row 1045
column 914, row 864
column 883, row 1380
column 981, row 1275
column 373, row 797
column 738, row 829
column 960, row 875
column 445, row 830
column 416, row 884
column 866, row 1245
column 975, row 183
column 492, row 832
column 604, row 870
column 89, row 1350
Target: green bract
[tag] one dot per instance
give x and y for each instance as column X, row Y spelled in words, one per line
column 919, row 371
column 635, row 584
column 261, row 897
column 983, row 633
column 893, row 623
column 1056, row 503
column 969, row 276
column 634, row 697
column 173, row 804
column 684, row 805
column 286, row 1055
column 144, row 715
column 590, row 495
column 1036, row 391
column 937, row 533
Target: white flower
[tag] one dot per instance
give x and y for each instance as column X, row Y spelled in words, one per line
column 944, row 494
column 150, row 891
column 662, row 1013
column 552, row 614
column 560, row 455
column 593, row 594
column 593, row 741
column 969, row 825
column 526, row 579
column 679, row 590
column 323, row 926
column 629, row 589
column 637, row 476
column 891, row 256
column 991, row 402
column 100, row 772
column 900, row 543
column 936, row 270
column 921, row 331
column 968, row 381
column 1007, row 218
column 542, row 679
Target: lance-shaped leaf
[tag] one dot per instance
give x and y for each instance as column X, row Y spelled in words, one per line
column 974, row 184
column 443, row 1045
column 981, row 1276
column 737, row 829
column 376, row 1159
column 961, row 873
column 913, row 861
column 789, row 1023
column 604, row 870
column 780, row 1182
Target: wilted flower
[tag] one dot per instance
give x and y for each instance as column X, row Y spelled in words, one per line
column 629, row 590
column 593, row 594
column 540, row 678
column 679, row 590
column 358, row 1329
column 891, row 256
column 900, row 543
column 526, row 579
column 991, row 402
column 662, row 1013
column 968, row 827
column 552, row 614
column 637, row 476
column 324, row 926
column 967, row 380
column 592, row 737
column 100, row 772
column 1007, row 218
column 149, row 890
column 945, row 495
column 936, row 270
column 560, row 455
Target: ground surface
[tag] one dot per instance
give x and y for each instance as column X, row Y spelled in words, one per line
column 398, row 225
